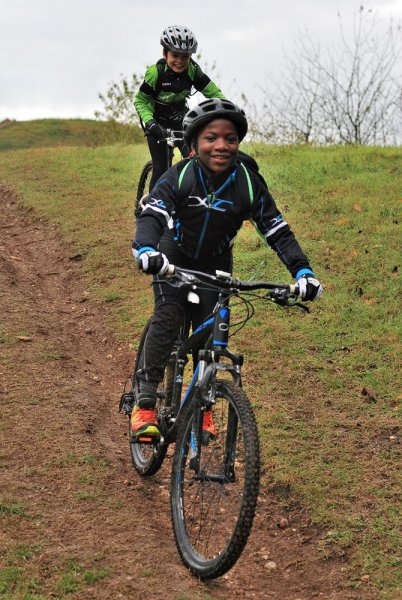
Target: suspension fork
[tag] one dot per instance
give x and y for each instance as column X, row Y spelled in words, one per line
column 180, row 362
column 203, row 400
column 207, row 390
column 199, row 409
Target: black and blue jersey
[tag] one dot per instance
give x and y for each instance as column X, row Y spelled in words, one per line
column 204, row 213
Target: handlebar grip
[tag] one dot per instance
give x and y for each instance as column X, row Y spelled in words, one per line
column 170, row 270
column 294, row 289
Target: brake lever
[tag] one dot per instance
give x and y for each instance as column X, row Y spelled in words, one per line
column 174, row 282
column 178, row 280
column 301, row 305
column 290, row 301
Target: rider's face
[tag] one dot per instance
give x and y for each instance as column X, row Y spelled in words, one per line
column 177, row 62
column 217, row 145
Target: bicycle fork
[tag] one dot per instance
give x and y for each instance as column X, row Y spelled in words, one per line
column 206, row 390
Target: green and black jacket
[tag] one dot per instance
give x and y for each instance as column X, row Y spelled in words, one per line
column 163, row 93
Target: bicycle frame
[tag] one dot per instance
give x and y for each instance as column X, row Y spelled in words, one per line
column 219, row 324
column 208, row 361
column 209, row 358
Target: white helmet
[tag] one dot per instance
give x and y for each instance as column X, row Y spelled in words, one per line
column 179, row 39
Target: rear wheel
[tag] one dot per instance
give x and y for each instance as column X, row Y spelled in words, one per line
column 143, row 186
column 214, row 487
column 148, row 458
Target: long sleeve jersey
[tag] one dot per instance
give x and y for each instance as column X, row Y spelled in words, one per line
column 206, row 214
column 163, row 93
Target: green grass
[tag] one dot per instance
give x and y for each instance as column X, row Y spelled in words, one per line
column 26, row 552
column 74, row 575
column 16, row 135
column 9, row 578
column 324, row 385
column 16, row 581
column 69, row 577
column 12, row 509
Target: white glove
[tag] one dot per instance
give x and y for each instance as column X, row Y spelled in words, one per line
column 309, row 287
column 152, row 262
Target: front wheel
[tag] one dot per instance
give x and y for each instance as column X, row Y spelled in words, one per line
column 214, row 487
column 143, row 187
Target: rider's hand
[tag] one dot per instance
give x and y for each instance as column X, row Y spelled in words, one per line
column 309, row 287
column 152, row 262
column 155, row 130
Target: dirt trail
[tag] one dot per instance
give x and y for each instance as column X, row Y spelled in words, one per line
column 66, row 467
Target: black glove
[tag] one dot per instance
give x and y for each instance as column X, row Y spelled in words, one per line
column 310, row 288
column 155, row 130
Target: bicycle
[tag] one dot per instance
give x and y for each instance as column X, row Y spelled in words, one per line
column 214, row 483
column 172, row 137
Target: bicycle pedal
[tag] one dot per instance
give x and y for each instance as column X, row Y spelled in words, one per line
column 126, row 403
column 147, row 439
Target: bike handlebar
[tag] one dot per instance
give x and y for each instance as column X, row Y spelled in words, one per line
column 177, row 134
column 172, row 136
column 227, row 282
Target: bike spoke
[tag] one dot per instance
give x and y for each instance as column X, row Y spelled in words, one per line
column 217, row 499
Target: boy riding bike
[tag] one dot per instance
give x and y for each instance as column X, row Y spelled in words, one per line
column 204, row 201
column 161, row 100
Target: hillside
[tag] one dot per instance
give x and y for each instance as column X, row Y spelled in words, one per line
column 325, row 386
column 15, row 135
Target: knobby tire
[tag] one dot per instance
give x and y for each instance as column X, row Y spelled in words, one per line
column 148, row 458
column 143, row 186
column 212, row 519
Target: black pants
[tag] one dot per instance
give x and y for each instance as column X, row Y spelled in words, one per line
column 171, row 305
column 161, row 155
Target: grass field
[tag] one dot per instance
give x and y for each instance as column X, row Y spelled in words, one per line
column 64, row 132
column 325, row 386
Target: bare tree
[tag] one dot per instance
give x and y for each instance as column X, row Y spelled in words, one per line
column 360, row 96
column 297, row 106
column 349, row 94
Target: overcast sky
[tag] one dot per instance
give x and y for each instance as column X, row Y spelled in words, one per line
column 57, row 55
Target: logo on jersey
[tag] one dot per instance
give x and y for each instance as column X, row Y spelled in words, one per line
column 276, row 221
column 217, row 204
column 157, row 203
